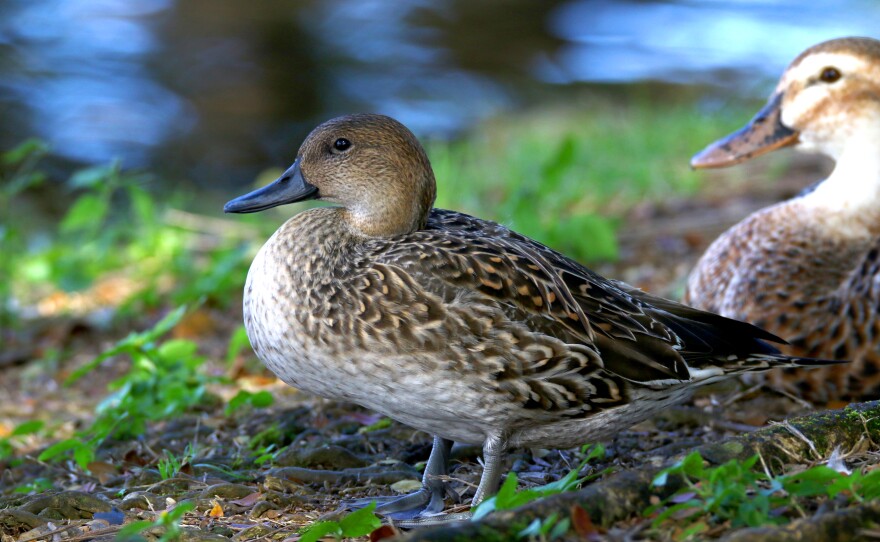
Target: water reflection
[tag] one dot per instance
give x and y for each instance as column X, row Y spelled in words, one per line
column 690, row 42
column 79, row 69
column 214, row 90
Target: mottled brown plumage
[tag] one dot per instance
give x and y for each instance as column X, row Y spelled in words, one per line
column 807, row 269
column 458, row 326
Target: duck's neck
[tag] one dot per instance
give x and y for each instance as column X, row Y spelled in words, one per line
column 851, row 194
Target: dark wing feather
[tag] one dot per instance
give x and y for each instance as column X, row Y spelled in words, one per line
column 640, row 337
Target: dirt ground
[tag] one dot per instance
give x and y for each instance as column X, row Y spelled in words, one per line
column 329, row 458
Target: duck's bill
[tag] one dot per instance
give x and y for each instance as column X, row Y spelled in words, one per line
column 764, row 133
column 289, row 188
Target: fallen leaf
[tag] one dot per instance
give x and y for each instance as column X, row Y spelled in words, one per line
column 383, row 532
column 252, row 382
column 271, row 514
column 756, row 419
column 406, row 486
column 103, row 470
column 248, row 500
column 583, row 525
column 195, row 325
column 216, row 511
column 135, row 457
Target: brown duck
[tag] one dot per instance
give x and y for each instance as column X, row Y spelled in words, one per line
column 458, row 326
column 808, row 269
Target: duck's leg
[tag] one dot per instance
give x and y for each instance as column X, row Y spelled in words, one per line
column 494, row 452
column 427, row 501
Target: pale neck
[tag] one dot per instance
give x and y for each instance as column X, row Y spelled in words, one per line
column 853, row 188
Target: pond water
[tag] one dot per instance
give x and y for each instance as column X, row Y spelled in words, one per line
column 212, row 91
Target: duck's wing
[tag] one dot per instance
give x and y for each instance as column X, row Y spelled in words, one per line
column 640, row 337
column 856, row 306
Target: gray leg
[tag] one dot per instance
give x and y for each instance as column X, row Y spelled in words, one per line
column 430, row 499
column 494, row 451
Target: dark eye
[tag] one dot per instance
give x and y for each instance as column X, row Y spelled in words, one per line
column 829, row 75
column 341, row 144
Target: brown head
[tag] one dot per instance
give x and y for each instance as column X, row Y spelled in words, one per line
column 371, row 165
column 827, row 97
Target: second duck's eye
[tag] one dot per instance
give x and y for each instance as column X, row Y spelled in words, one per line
column 341, row 144
column 830, row 75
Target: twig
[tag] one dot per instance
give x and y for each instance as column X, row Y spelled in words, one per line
column 796, row 432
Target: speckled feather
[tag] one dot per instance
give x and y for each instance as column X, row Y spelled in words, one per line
column 517, row 336
column 807, row 269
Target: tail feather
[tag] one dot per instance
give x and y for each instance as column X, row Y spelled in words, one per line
column 766, row 362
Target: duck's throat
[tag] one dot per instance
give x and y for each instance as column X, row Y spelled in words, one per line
column 851, row 194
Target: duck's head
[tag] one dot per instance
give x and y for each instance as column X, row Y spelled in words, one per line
column 371, row 165
column 828, row 98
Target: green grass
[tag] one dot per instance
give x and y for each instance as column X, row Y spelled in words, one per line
column 741, row 493
column 564, row 176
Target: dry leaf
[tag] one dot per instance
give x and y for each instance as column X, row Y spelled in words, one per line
column 216, row 511
column 582, row 523
column 256, row 382
column 248, row 500
column 195, row 325
column 135, row 457
column 103, row 470
column 383, row 532
column 406, row 486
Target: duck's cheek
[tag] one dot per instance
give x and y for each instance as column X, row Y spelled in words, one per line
column 813, row 142
column 826, row 136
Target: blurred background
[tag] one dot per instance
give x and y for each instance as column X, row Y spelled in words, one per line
column 552, row 117
column 210, row 93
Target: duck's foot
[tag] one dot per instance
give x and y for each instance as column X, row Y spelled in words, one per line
column 425, row 507
column 431, row 521
column 494, row 449
column 426, row 502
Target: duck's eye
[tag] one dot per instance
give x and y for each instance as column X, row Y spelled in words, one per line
column 830, row 75
column 341, row 144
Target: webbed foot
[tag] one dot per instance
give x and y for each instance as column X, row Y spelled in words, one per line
column 427, row 501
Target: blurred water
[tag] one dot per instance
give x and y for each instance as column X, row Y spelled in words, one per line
column 691, row 42
column 215, row 90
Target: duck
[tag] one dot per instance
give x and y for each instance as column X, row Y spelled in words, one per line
column 808, row 268
column 458, row 326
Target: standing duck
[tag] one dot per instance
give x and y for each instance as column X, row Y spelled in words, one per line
column 458, row 326
column 808, row 269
